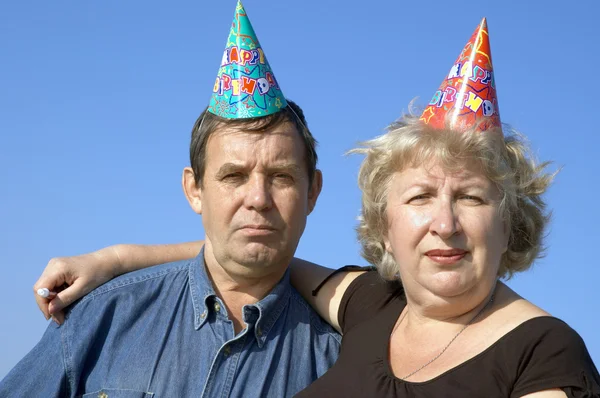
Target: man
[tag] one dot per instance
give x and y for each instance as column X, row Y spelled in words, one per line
column 227, row 323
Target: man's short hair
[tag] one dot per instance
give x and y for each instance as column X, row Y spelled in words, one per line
column 208, row 123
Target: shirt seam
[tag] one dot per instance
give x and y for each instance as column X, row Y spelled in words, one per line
column 546, row 384
column 194, row 292
column 271, row 318
column 68, row 367
column 233, row 367
column 108, row 287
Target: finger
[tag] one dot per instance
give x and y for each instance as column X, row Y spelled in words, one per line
column 67, row 296
column 50, row 282
column 42, row 304
column 59, row 318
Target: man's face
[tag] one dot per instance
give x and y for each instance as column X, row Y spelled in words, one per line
column 254, row 199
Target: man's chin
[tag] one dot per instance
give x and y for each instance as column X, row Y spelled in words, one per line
column 258, row 260
column 261, row 256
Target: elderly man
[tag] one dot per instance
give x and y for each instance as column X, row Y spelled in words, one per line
column 227, row 323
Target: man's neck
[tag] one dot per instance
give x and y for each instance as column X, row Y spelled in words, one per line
column 236, row 290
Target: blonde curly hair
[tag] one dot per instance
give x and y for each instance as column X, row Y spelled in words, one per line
column 504, row 157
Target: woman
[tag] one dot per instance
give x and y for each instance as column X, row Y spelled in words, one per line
column 451, row 204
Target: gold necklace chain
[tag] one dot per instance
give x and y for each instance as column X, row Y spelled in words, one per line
column 451, row 341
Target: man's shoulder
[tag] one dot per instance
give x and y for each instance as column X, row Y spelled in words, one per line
column 301, row 308
column 142, row 280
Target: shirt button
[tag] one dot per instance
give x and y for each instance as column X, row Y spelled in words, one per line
column 217, row 307
column 258, row 331
column 203, row 315
column 102, row 395
column 226, row 351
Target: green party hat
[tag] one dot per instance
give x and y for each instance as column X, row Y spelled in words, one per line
column 245, row 86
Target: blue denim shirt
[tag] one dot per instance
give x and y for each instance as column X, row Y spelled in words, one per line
column 163, row 332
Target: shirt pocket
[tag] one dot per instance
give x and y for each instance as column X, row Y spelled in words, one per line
column 118, row 393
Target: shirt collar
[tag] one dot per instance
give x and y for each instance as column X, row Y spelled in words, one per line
column 201, row 289
column 263, row 314
column 267, row 311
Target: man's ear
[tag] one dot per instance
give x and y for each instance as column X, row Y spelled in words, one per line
column 315, row 190
column 192, row 192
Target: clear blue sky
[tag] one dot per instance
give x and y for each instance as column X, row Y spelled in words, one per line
column 98, row 98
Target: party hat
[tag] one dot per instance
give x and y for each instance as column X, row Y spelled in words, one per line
column 246, row 86
column 467, row 97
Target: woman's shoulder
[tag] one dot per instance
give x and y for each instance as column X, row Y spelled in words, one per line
column 366, row 296
column 547, row 353
column 544, row 331
column 512, row 310
column 524, row 323
column 544, row 351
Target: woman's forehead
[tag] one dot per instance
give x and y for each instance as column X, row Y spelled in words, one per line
column 435, row 172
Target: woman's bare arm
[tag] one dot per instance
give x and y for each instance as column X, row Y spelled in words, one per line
column 306, row 276
column 554, row 393
column 74, row 277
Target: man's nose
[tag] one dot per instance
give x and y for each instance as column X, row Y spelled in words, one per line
column 258, row 194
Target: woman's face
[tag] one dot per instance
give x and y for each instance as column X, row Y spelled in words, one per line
column 445, row 231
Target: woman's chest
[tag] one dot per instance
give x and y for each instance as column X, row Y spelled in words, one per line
column 364, row 369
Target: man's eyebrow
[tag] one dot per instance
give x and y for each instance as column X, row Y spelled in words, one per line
column 290, row 167
column 227, row 168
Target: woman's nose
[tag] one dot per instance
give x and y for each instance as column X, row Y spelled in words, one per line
column 445, row 222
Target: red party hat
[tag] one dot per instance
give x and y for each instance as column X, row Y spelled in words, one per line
column 467, row 97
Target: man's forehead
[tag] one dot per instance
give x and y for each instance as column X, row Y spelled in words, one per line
column 282, row 138
column 279, row 145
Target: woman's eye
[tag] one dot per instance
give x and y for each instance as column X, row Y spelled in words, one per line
column 419, row 198
column 471, row 198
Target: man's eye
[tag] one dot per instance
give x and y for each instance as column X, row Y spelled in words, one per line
column 233, row 177
column 282, row 178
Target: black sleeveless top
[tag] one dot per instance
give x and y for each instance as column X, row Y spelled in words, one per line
column 540, row 354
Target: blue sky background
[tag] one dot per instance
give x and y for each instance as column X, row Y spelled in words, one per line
column 98, row 98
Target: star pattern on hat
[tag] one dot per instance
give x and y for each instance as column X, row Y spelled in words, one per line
column 245, row 86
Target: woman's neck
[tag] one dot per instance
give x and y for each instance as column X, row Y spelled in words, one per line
column 462, row 309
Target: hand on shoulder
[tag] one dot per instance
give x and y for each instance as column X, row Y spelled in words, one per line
column 72, row 278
